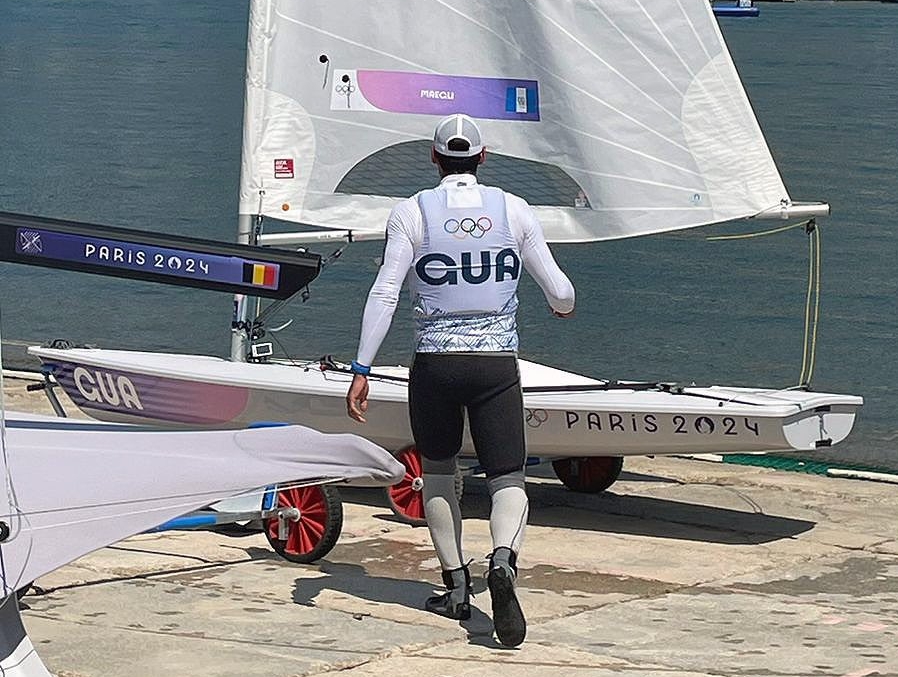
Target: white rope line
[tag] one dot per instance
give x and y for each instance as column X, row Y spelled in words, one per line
column 760, row 233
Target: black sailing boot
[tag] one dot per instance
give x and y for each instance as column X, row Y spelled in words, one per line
column 454, row 604
column 508, row 618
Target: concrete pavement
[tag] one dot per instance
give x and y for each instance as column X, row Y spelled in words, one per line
column 683, row 568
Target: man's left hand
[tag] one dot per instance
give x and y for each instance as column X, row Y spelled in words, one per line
column 563, row 316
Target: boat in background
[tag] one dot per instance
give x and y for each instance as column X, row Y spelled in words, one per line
column 736, row 8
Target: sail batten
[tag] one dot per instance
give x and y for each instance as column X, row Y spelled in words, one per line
column 629, row 117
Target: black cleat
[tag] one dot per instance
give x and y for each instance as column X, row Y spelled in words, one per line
column 508, row 618
column 443, row 605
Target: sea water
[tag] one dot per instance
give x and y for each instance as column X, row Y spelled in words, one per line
column 128, row 113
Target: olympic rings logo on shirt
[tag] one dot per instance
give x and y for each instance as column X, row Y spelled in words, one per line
column 468, row 226
column 536, row 417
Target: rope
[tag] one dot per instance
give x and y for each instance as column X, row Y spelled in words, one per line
column 760, row 233
column 812, row 298
column 809, row 346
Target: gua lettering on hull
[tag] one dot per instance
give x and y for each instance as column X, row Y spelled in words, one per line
column 105, row 388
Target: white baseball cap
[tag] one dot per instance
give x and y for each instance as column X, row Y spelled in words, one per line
column 461, row 127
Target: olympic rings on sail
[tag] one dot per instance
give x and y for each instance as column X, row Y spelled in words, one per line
column 468, row 226
column 344, row 89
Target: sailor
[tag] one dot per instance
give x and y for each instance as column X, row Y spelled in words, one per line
column 461, row 246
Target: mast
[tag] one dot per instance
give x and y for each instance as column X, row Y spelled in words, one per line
column 257, row 37
column 239, row 337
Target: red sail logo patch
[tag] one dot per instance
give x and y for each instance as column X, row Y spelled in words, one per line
column 283, row 168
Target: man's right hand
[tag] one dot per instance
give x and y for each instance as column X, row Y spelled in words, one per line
column 357, row 398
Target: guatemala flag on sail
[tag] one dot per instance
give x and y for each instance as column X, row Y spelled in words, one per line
column 520, row 99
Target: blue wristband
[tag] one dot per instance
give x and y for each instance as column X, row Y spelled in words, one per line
column 357, row 368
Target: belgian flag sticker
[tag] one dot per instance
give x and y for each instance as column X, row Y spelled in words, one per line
column 261, row 274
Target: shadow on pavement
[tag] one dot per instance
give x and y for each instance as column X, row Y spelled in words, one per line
column 552, row 505
column 355, row 580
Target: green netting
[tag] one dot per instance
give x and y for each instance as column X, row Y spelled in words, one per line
column 798, row 464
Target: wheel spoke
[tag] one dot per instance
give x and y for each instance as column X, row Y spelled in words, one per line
column 314, row 518
column 401, row 492
column 294, row 543
column 415, row 507
column 408, row 501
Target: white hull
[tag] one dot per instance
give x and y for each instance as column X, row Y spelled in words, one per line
column 200, row 391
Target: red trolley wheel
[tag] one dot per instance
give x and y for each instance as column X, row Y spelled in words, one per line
column 312, row 518
column 589, row 474
column 406, row 497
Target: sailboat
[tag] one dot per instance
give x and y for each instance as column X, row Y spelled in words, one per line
column 612, row 119
column 735, row 8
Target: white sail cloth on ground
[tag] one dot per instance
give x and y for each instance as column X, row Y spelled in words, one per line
column 636, row 107
column 78, row 487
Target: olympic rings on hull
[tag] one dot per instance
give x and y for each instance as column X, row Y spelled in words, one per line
column 536, row 417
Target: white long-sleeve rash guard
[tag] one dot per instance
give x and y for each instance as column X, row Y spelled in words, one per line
column 405, row 232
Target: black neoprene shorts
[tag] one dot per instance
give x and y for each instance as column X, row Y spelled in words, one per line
column 443, row 385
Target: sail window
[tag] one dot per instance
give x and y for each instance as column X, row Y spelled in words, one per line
column 404, row 169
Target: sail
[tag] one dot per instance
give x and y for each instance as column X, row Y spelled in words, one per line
column 79, row 485
column 614, row 119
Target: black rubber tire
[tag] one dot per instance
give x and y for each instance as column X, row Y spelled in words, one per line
column 588, row 474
